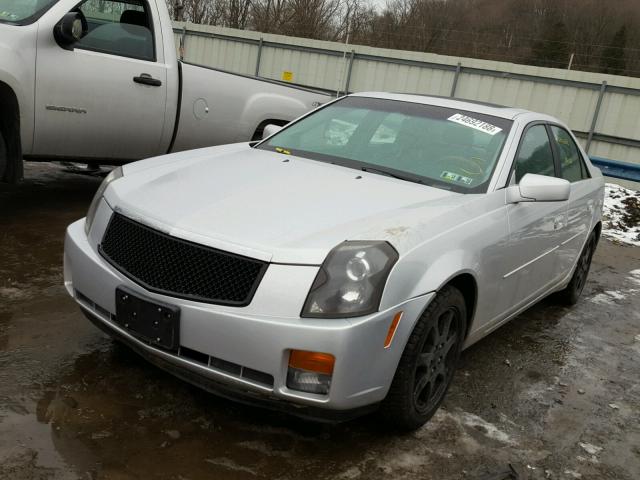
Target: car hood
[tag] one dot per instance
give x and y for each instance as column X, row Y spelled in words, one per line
column 277, row 208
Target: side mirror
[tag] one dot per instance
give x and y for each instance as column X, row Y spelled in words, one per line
column 70, row 29
column 539, row 188
column 270, row 130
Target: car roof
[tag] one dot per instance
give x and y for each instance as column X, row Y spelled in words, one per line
column 448, row 102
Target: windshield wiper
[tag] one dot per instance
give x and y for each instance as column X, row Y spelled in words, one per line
column 387, row 173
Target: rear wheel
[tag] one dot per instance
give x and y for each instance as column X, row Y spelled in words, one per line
column 572, row 292
column 428, row 362
column 3, row 157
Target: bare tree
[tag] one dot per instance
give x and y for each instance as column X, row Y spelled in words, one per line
column 521, row 31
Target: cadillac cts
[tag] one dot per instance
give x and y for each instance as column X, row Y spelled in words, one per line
column 341, row 264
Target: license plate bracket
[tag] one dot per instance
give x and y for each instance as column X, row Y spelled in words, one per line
column 154, row 322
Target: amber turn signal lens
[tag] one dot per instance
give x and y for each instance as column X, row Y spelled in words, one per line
column 312, row 361
column 392, row 329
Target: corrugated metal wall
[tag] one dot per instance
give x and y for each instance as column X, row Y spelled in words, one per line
column 571, row 96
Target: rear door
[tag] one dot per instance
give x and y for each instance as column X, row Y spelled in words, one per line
column 536, row 228
column 582, row 200
column 89, row 102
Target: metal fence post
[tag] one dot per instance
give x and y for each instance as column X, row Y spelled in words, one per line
column 592, row 130
column 455, row 80
column 183, row 40
column 259, row 57
column 348, row 79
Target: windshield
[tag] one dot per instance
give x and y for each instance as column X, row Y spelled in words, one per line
column 19, row 11
column 442, row 147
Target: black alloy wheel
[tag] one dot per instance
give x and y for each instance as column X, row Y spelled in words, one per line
column 428, row 362
column 436, row 362
column 573, row 290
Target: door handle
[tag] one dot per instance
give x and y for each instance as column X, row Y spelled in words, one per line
column 146, row 79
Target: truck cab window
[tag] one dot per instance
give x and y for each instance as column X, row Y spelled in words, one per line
column 119, row 28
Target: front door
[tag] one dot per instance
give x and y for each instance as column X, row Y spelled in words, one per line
column 96, row 100
column 582, row 201
column 536, row 228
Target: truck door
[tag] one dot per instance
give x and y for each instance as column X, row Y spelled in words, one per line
column 106, row 97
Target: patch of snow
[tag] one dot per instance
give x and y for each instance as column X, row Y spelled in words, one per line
column 231, row 465
column 489, row 429
column 590, row 449
column 608, row 297
column 621, row 214
column 263, row 447
column 100, row 435
column 403, row 461
column 353, row 472
column 13, row 293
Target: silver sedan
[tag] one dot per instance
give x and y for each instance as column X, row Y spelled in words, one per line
column 343, row 263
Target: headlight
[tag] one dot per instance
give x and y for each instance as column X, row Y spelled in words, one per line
column 115, row 174
column 351, row 280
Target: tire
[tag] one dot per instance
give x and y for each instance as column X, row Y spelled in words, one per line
column 3, row 158
column 572, row 292
column 428, row 362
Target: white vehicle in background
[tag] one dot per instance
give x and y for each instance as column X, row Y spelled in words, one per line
column 99, row 82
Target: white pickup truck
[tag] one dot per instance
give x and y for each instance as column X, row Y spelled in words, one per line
column 98, row 81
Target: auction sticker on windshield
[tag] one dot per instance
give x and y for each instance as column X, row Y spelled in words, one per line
column 475, row 123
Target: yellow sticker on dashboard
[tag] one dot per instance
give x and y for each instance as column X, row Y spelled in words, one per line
column 454, row 177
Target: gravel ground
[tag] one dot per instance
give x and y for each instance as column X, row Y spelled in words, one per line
column 555, row 392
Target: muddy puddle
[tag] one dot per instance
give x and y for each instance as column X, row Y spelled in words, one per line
column 556, row 391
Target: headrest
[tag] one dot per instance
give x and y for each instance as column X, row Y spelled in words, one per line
column 134, row 17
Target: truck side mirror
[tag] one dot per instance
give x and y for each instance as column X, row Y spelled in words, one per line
column 70, row 29
column 270, row 130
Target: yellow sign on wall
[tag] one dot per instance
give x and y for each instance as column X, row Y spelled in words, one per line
column 287, row 76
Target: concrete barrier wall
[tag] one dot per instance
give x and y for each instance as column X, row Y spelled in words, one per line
column 603, row 110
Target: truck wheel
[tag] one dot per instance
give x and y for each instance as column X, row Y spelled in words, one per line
column 428, row 362
column 3, row 158
column 572, row 292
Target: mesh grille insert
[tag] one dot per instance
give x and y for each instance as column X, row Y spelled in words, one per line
column 172, row 266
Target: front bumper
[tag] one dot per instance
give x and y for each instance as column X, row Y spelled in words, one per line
column 257, row 338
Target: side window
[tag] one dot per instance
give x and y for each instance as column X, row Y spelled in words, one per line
column 119, row 28
column 572, row 165
column 535, row 155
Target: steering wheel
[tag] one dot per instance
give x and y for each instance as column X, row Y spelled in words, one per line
column 461, row 165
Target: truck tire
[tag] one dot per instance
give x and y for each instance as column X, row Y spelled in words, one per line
column 3, row 158
column 428, row 362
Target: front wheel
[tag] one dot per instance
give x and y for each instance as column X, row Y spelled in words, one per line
column 428, row 362
column 572, row 292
